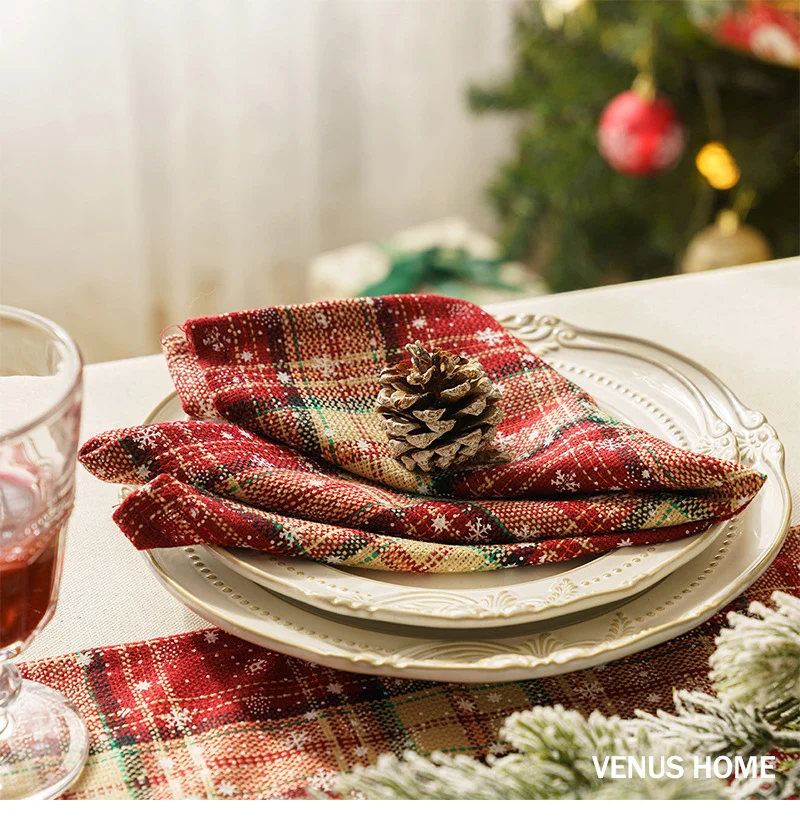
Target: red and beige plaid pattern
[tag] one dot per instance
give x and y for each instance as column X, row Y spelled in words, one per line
column 301, row 465
column 207, row 715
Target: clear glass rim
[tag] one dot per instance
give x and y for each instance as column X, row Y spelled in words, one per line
column 74, row 367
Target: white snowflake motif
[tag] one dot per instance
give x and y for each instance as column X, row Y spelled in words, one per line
column 310, row 715
column 149, row 435
column 322, row 319
column 466, row 704
column 227, row 435
column 179, row 718
column 440, row 523
column 373, row 343
column 246, row 356
column 646, row 474
column 360, row 751
column 494, row 698
column 214, row 340
column 335, row 688
column 526, row 533
column 326, row 366
column 324, row 781
column 478, row 531
column 497, row 749
column 328, row 432
column 419, row 322
column 141, row 686
column 625, row 543
column 363, row 445
column 284, row 377
column 503, row 441
column 566, row 481
column 256, row 666
column 226, row 789
column 296, row 740
column 654, row 699
column 260, row 461
column 316, row 482
column 143, row 472
column 333, row 559
column 589, row 687
column 211, row 637
column 84, row 659
column 490, row 337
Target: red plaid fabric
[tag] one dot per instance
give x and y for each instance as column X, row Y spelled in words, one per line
column 306, row 470
column 207, row 715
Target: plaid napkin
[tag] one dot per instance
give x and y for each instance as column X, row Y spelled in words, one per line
column 305, row 468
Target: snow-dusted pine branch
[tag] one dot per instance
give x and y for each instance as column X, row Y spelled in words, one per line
column 757, row 661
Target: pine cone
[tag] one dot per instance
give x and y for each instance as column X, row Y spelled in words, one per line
column 440, row 409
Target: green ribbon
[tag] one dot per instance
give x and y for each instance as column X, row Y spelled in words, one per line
column 442, row 268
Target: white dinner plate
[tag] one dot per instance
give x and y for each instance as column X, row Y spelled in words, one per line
column 683, row 599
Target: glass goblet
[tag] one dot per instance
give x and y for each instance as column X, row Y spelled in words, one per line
column 43, row 738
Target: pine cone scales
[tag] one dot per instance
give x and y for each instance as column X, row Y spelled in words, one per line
column 439, row 409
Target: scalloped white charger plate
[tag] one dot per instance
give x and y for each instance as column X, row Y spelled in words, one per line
column 686, row 597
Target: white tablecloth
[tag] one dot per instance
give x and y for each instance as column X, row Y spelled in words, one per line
column 743, row 324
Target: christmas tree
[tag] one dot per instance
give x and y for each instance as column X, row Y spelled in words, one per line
column 570, row 206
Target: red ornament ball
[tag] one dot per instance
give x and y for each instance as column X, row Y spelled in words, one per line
column 639, row 135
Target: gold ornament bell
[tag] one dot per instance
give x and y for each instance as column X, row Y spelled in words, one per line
column 726, row 243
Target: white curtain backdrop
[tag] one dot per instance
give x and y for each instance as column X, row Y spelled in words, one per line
column 171, row 158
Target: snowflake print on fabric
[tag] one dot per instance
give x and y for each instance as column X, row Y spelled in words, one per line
column 503, row 441
column 211, row 636
column 419, row 322
column 527, row 533
column 256, row 666
column 478, row 531
column 246, row 356
column 363, row 445
column 84, row 658
column 335, row 688
column 490, row 337
column 324, row 781
column 566, row 481
column 143, row 472
column 215, row 340
column 284, row 377
column 149, row 436
column 466, row 704
column 296, row 740
column 440, row 523
column 226, row 789
column 141, row 686
column 179, row 718
column 625, row 543
column 497, row 749
column 326, row 366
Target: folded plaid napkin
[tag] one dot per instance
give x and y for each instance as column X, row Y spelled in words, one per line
column 305, row 469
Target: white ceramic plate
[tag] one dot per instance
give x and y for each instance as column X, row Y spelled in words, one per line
column 641, row 391
column 685, row 598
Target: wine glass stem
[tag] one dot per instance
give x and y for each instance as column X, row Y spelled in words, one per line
column 10, row 683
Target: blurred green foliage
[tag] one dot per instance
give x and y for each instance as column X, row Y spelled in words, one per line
column 564, row 210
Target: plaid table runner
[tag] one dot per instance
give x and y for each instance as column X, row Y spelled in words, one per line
column 302, row 466
column 206, row 715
